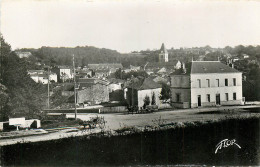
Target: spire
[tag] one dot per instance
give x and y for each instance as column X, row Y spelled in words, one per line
column 163, row 48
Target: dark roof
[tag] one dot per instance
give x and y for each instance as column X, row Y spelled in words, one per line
column 143, row 84
column 86, row 80
column 68, row 87
column 115, row 80
column 160, row 65
column 211, row 67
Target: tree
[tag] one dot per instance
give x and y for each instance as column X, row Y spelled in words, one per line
column 146, row 100
column 153, row 99
column 166, row 91
column 25, row 97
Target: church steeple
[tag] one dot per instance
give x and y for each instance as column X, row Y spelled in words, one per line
column 163, row 54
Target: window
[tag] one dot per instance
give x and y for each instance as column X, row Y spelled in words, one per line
column 208, row 97
column 178, row 97
column 208, row 83
column 226, row 96
column 217, row 82
column 234, row 96
column 199, row 83
column 234, row 82
column 226, row 82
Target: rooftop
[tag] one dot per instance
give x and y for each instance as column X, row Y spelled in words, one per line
column 198, row 67
column 143, row 84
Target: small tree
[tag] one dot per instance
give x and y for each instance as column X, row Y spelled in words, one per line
column 146, row 100
column 153, row 99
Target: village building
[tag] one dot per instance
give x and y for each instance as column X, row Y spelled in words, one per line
column 135, row 68
column 65, row 73
column 205, row 84
column 161, row 79
column 138, row 88
column 115, row 84
column 21, row 54
column 93, row 92
column 83, row 73
column 41, row 76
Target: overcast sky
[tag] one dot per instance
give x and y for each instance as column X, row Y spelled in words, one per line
column 129, row 25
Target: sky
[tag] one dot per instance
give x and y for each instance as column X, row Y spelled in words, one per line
column 129, row 25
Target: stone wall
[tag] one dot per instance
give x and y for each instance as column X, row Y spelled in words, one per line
column 94, row 93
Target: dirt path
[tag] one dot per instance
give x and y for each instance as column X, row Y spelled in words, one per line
column 116, row 121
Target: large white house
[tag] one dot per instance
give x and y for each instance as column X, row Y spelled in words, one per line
column 207, row 83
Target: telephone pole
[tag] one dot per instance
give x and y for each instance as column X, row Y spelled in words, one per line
column 75, row 93
column 48, row 103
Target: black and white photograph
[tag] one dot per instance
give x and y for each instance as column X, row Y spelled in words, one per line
column 129, row 83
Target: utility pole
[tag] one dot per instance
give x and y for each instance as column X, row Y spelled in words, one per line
column 75, row 93
column 48, row 103
column 132, row 91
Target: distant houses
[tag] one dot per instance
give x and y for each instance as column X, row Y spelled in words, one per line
column 41, row 76
column 22, row 54
column 206, row 83
column 105, row 69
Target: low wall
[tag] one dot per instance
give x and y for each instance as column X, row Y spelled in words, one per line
column 231, row 102
column 181, row 105
column 116, row 109
column 92, row 110
column 165, row 106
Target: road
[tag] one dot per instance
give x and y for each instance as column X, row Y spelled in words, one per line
column 116, row 121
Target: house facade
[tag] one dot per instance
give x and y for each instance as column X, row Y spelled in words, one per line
column 137, row 89
column 209, row 83
column 65, row 73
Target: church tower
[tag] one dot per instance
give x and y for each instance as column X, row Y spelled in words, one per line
column 163, row 54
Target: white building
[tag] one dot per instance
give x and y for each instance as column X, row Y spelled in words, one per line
column 41, row 76
column 178, row 65
column 115, row 84
column 136, row 91
column 53, row 77
column 208, row 83
column 21, row 54
column 65, row 73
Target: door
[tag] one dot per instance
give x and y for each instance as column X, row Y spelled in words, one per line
column 199, row 100
column 217, row 99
